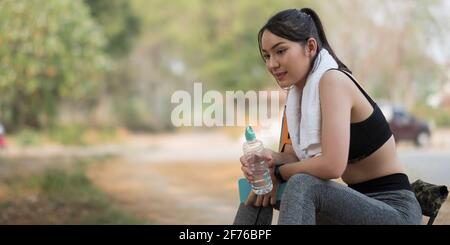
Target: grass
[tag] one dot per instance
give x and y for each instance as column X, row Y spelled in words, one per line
column 59, row 196
column 71, row 134
column 28, row 137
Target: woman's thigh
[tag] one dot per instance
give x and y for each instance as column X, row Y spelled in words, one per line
column 336, row 203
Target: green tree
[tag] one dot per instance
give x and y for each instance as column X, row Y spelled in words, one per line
column 49, row 51
column 119, row 23
column 216, row 40
column 187, row 41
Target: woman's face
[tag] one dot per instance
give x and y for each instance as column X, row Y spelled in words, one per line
column 287, row 61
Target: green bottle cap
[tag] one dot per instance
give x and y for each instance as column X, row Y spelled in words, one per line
column 249, row 133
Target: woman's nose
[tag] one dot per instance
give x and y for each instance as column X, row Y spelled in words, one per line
column 272, row 63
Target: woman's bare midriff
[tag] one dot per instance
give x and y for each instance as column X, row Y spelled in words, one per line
column 382, row 162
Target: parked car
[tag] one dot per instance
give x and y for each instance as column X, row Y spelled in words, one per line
column 405, row 126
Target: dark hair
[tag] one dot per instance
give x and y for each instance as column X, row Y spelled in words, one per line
column 298, row 26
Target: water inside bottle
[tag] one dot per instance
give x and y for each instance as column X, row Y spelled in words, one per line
column 262, row 183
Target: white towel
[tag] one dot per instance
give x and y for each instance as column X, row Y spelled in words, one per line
column 304, row 123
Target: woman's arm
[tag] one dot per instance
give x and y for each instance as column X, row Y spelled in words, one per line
column 287, row 156
column 336, row 104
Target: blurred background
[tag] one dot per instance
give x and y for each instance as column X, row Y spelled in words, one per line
column 85, row 100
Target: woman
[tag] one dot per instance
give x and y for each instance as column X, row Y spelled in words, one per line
column 353, row 139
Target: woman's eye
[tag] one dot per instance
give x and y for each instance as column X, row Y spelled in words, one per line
column 281, row 51
column 266, row 57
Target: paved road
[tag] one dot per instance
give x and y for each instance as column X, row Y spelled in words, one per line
column 136, row 181
column 432, row 165
column 429, row 165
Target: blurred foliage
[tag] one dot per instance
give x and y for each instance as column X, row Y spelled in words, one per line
column 119, row 24
column 28, row 137
column 385, row 43
column 439, row 116
column 215, row 40
column 50, row 50
column 60, row 196
column 182, row 42
column 53, row 51
column 68, row 134
column 76, row 134
column 442, row 117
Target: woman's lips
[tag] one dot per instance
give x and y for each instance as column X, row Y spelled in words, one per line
column 279, row 76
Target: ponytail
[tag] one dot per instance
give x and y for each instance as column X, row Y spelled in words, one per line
column 323, row 42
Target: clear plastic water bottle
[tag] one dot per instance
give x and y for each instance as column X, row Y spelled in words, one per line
column 253, row 148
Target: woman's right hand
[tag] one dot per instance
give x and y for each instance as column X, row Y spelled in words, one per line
column 267, row 155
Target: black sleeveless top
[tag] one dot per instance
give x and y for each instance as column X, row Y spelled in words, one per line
column 368, row 135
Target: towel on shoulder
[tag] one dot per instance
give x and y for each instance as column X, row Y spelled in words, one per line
column 303, row 110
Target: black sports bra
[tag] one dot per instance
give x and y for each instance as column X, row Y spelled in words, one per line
column 368, row 135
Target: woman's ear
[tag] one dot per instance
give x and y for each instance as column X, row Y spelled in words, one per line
column 311, row 47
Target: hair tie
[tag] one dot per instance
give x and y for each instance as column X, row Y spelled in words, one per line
column 304, row 13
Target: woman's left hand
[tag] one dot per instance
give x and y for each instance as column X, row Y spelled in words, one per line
column 263, row 200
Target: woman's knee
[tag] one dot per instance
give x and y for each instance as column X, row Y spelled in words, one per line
column 301, row 184
column 303, row 179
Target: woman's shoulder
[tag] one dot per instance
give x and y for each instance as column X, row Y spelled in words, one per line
column 335, row 77
column 337, row 86
column 335, row 81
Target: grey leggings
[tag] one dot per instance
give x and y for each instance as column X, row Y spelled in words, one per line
column 310, row 200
